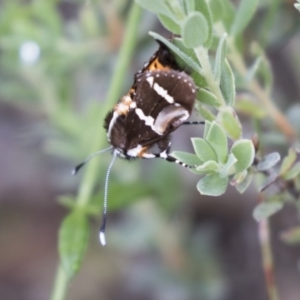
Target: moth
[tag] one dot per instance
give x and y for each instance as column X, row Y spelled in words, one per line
column 160, row 100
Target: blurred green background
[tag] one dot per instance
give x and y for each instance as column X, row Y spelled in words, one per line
column 165, row 241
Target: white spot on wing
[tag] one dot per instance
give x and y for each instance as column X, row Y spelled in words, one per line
column 149, row 121
column 163, row 93
column 150, row 80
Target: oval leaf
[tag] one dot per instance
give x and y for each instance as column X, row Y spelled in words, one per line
column 205, row 112
column 187, row 158
column 228, row 84
column 206, row 97
column 73, row 239
column 268, row 162
column 155, row 6
column 288, row 161
column 220, row 57
column 244, row 152
column 212, row 185
column 194, row 30
column 266, row 209
column 230, row 122
column 217, row 139
column 169, row 24
column 203, row 150
column 202, row 7
column 209, row 166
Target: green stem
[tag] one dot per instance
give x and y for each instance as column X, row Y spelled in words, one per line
column 202, row 55
column 267, row 258
column 61, row 283
column 89, row 179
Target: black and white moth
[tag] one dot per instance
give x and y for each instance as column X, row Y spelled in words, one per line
column 160, row 100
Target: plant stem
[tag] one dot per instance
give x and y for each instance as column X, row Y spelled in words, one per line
column 89, row 179
column 99, row 137
column 279, row 119
column 202, row 55
column 267, row 259
column 61, row 283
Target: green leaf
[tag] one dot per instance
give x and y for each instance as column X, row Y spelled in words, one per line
column 199, row 79
column 268, row 161
column 242, row 186
column 293, row 172
column 217, row 139
column 228, row 14
column 157, row 7
column 189, row 6
column 228, row 84
column 212, row 185
column 207, row 167
column 266, row 209
column 227, row 169
column 206, row 129
column 288, row 161
column 291, row 236
column 230, row 122
column 194, row 30
column 238, row 178
column 169, row 24
column 220, row 58
column 253, row 69
column 73, row 239
column 243, row 16
column 188, row 60
column 206, row 97
column 244, row 151
column 202, row 7
column 216, row 9
column 205, row 113
column 248, row 107
column 203, row 150
column 187, row 158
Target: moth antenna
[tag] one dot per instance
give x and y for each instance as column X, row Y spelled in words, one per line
column 79, row 166
column 102, row 228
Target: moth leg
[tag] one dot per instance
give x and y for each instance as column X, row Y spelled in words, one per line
column 193, row 123
column 164, row 154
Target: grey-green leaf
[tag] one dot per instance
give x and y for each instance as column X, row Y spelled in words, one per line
column 228, row 84
column 188, row 60
column 268, row 161
column 202, row 7
column 212, row 185
column 156, row 6
column 243, row 16
column 217, row 139
column 194, row 30
column 205, row 112
column 170, row 24
column 206, row 97
column 230, row 122
column 73, row 239
column 244, row 151
column 266, row 209
column 203, row 150
column 187, row 158
column 220, row 58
